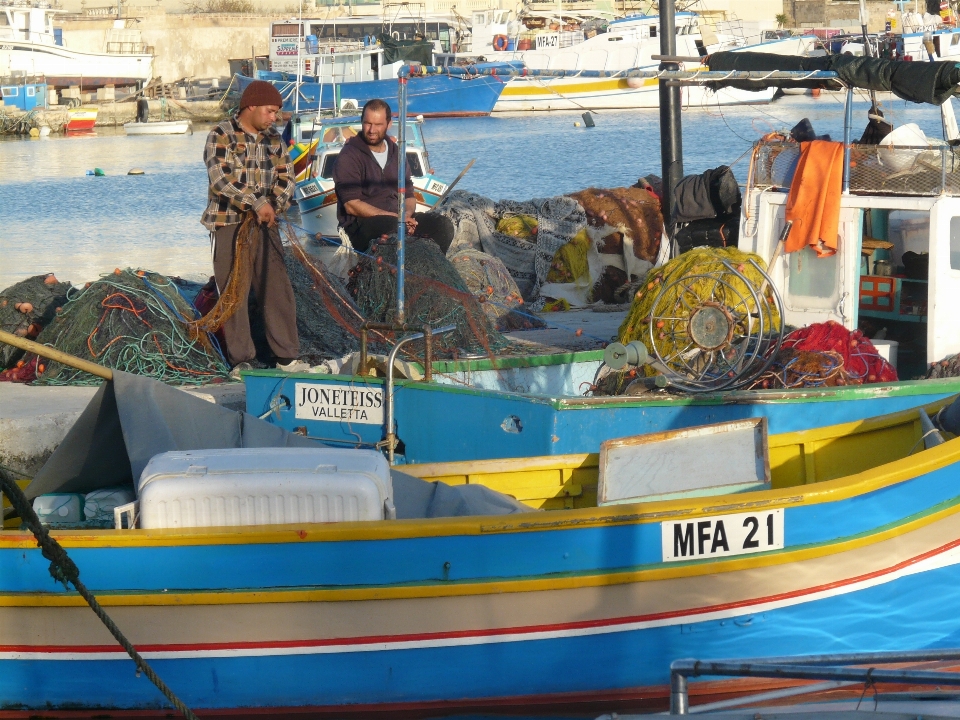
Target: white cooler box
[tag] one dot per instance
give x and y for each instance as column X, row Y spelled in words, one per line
column 264, row 486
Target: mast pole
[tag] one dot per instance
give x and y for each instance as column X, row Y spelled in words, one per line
column 671, row 144
column 401, row 190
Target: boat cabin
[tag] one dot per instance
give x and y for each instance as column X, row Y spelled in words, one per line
column 896, row 273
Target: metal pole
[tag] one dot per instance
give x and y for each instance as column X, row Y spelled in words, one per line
column 401, row 190
column 300, row 41
column 679, row 700
column 671, row 144
column 847, row 123
column 388, row 434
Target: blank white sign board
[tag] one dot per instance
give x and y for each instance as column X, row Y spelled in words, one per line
column 705, row 460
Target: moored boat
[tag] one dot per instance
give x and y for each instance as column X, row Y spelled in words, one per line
column 81, row 118
column 854, row 544
column 30, row 45
column 169, row 127
column 322, row 139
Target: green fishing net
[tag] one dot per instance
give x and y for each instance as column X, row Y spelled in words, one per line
column 135, row 321
column 435, row 294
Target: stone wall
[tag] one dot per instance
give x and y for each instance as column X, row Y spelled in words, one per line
column 196, row 46
column 828, row 13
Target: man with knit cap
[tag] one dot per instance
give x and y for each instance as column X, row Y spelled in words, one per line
column 251, row 173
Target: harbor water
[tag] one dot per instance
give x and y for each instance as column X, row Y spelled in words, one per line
column 56, row 218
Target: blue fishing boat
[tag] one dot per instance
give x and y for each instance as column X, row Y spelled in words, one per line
column 851, row 540
column 450, row 95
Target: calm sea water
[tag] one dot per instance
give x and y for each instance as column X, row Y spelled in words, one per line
column 54, row 218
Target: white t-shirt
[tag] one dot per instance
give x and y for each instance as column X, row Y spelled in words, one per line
column 381, row 157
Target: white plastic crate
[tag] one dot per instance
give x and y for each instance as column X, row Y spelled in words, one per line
column 264, row 486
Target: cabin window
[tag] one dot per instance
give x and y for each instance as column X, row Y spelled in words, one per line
column 653, row 31
column 955, row 40
column 815, row 281
column 286, row 30
column 329, row 163
column 955, row 243
column 10, row 92
column 31, row 91
column 413, row 162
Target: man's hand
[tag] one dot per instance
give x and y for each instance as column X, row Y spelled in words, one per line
column 411, row 224
column 267, row 215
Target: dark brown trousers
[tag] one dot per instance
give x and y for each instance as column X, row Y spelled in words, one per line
column 271, row 290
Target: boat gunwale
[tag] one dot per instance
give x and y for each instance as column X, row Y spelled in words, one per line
column 870, row 480
column 901, row 388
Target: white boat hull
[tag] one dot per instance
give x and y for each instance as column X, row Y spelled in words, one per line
column 175, row 127
column 63, row 67
column 532, row 94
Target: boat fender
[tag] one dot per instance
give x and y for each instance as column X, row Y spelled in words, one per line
column 500, row 42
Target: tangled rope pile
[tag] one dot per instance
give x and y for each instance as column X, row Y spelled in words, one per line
column 435, row 295
column 826, row 355
column 135, row 321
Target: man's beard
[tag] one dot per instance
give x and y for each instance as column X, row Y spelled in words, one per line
column 372, row 143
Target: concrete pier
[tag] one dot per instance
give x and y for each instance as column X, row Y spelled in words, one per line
column 115, row 114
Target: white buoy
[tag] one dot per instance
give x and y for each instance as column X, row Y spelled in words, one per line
column 44, row 130
column 135, row 171
column 576, row 124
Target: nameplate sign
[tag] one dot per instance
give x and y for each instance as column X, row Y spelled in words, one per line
column 339, row 403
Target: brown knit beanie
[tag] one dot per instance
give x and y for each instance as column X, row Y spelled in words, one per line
column 260, row 92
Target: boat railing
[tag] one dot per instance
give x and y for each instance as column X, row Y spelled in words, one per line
column 872, row 169
column 839, row 668
column 127, row 48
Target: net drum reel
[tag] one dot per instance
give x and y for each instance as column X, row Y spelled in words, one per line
column 715, row 330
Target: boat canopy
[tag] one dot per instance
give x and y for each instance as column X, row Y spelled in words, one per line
column 920, row 82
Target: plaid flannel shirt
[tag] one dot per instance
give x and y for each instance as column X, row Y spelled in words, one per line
column 245, row 172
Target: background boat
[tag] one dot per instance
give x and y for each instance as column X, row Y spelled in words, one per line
column 169, row 127
column 30, row 45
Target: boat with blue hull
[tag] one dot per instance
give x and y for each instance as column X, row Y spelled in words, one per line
column 855, row 545
column 434, row 96
column 494, row 423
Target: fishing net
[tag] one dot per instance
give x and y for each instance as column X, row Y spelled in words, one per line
column 550, row 222
column 826, row 354
column 570, row 264
column 135, row 321
column 435, row 295
column 28, row 307
column 948, row 367
column 487, row 279
column 328, row 319
column 230, row 300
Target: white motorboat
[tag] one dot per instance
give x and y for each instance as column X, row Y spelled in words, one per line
column 30, row 45
column 171, row 127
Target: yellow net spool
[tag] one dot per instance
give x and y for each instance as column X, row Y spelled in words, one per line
column 699, row 315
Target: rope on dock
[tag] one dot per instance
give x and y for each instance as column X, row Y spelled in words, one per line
column 63, row 570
